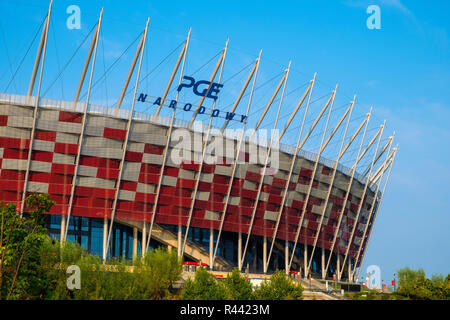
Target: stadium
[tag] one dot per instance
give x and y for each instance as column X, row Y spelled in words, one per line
column 121, row 187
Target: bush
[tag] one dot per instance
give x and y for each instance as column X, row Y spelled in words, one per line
column 159, row 270
column 204, row 287
column 413, row 284
column 280, row 287
column 20, row 241
column 150, row 278
column 239, row 288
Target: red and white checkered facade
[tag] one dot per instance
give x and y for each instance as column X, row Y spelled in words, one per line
column 52, row 166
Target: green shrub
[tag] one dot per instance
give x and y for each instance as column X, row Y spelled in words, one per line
column 204, row 287
column 148, row 278
column 238, row 286
column 414, row 284
column 20, row 241
column 280, row 287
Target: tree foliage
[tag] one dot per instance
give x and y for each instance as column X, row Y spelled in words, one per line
column 161, row 269
column 239, row 288
column 236, row 287
column 204, row 287
column 33, row 266
column 20, row 241
column 148, row 278
column 415, row 285
column 280, row 287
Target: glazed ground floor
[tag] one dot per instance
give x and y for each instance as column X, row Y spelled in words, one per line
column 126, row 242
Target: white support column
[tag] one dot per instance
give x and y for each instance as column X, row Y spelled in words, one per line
column 86, row 64
column 266, row 161
column 183, row 53
column 181, row 57
column 62, row 228
column 376, row 176
column 291, row 170
column 204, row 145
column 299, row 104
column 349, row 270
column 321, row 149
column 128, row 78
column 376, row 212
column 219, row 64
column 127, row 135
column 135, row 231
column 366, row 122
column 243, row 89
column 384, row 166
column 322, row 262
column 83, row 124
column 340, row 154
column 40, row 60
column 211, row 248
column 238, row 149
column 363, row 196
column 37, row 61
column 230, row 185
column 264, row 254
column 300, row 224
column 367, row 224
column 379, row 155
column 305, row 260
column 269, row 104
column 353, row 170
column 338, row 265
column 145, row 242
column 240, row 262
column 286, row 256
column 179, row 241
column 381, row 169
column 105, row 236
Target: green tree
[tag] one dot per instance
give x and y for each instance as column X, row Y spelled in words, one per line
column 54, row 262
column 204, row 287
column 148, row 278
column 280, row 287
column 161, row 269
column 20, row 241
column 238, row 286
column 415, row 285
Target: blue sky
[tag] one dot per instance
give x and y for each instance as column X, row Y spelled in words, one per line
column 402, row 70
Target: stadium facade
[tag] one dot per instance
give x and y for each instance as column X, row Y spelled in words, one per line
column 118, row 190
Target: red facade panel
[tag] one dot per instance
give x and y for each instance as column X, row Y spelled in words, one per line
column 66, row 148
column 70, row 117
column 119, row 134
column 3, row 120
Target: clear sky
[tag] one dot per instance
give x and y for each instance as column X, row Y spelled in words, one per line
column 402, row 70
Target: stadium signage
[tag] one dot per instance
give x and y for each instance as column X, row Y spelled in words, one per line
column 212, row 92
column 213, row 88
